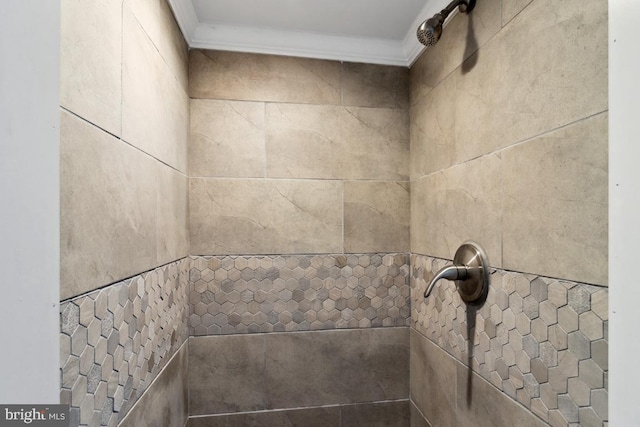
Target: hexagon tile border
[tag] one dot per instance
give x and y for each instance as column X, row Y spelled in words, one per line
column 541, row 341
column 114, row 341
column 251, row 294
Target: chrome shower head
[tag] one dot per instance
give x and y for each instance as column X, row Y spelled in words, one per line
column 429, row 31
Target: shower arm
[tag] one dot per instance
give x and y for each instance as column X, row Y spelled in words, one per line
column 466, row 6
column 451, row 7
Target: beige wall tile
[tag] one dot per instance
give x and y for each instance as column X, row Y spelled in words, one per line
column 376, row 216
column 173, row 214
column 433, row 142
column 341, row 366
column 369, row 85
column 308, row 417
column 458, row 204
column 165, row 402
column 241, row 76
column 460, row 39
column 265, row 216
column 555, row 216
column 155, row 108
column 156, row 18
column 227, row 139
column 417, row 419
column 433, row 381
column 379, row 414
column 108, row 208
column 480, row 404
column 226, row 374
column 547, row 68
column 254, row 372
column 330, row 142
column 510, row 8
column 90, row 61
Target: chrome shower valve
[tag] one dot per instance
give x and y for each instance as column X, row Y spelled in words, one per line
column 470, row 271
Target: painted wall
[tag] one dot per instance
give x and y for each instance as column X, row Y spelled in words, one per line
column 624, row 227
column 509, row 126
column 29, row 188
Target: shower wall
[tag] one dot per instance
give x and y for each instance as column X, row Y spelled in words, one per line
column 124, row 128
column 299, row 226
column 509, row 148
column 297, row 156
column 288, row 179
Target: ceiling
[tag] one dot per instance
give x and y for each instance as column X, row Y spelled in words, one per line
column 371, row 31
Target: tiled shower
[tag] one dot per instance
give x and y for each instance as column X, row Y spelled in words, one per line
column 246, row 238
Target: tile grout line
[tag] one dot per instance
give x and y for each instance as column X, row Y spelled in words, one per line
column 499, row 151
column 118, row 138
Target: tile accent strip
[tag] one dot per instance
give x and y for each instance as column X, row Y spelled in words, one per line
column 542, row 341
column 251, row 294
column 114, row 342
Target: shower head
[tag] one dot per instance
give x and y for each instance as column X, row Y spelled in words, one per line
column 429, row 31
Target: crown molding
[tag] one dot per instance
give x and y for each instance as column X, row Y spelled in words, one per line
column 308, row 45
column 186, row 17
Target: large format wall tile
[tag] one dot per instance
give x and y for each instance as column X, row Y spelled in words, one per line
column 433, row 141
column 238, row 76
column 381, row 414
column 479, row 404
column 332, row 142
column 328, row 367
column 294, row 370
column 461, row 38
column 251, row 294
column 547, row 68
column 369, row 85
column 303, row 417
column 376, row 216
column 510, row 8
column 233, row 216
column 433, row 381
column 108, row 208
column 555, row 204
column 375, row 414
column 173, row 214
column 417, row 418
column 155, row 107
column 90, row 61
column 165, row 402
column 227, row 374
column 459, row 204
column 227, row 139
column 157, row 20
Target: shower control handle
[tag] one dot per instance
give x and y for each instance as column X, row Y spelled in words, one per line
column 450, row 272
column 470, row 271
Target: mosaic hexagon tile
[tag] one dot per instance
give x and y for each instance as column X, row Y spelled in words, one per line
column 114, row 342
column 542, row 341
column 250, row 294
